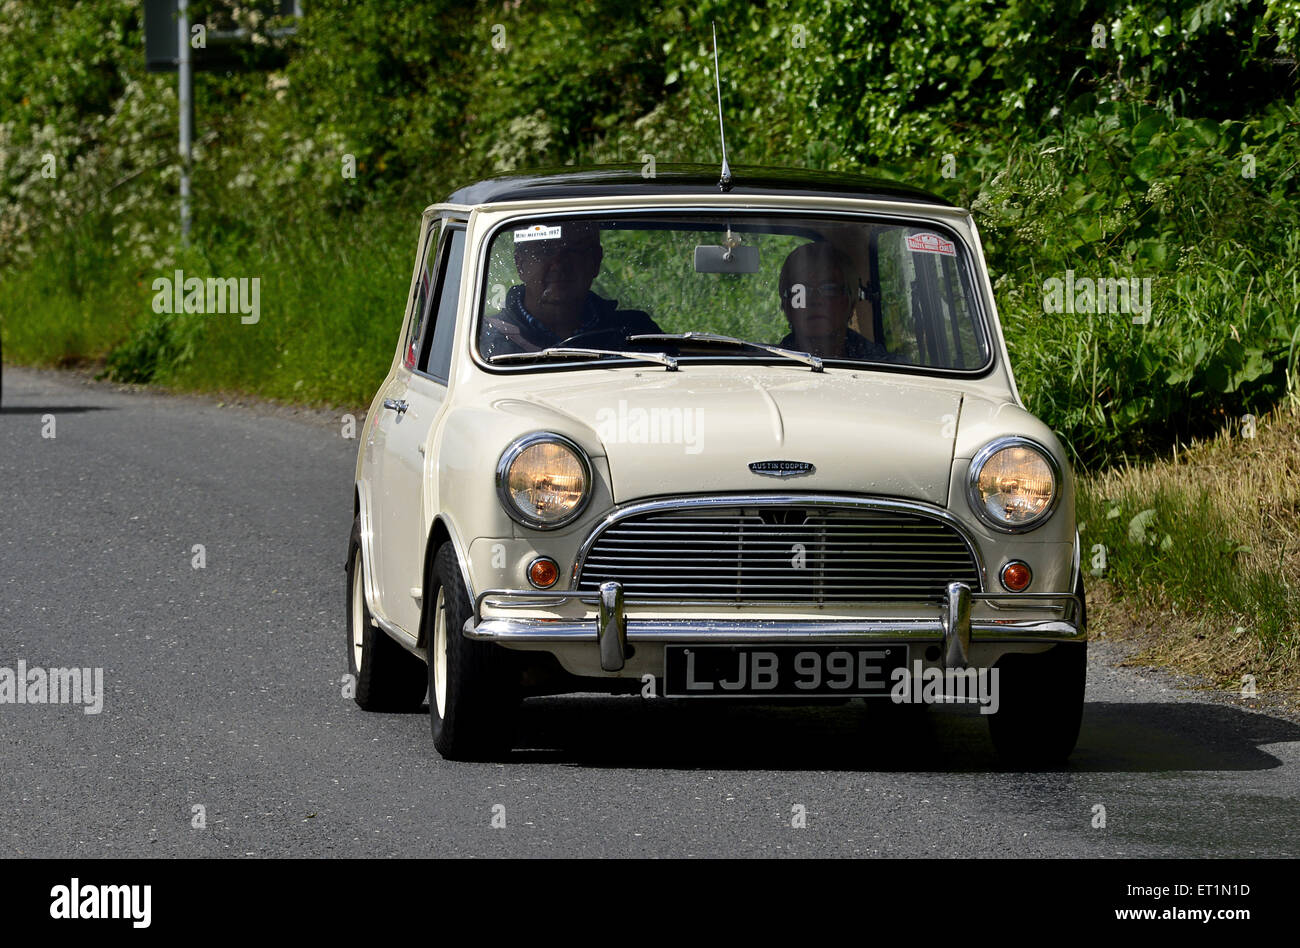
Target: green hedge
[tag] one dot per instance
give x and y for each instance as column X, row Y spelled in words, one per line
column 1105, row 138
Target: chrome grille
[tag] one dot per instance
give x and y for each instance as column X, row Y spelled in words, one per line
column 811, row 554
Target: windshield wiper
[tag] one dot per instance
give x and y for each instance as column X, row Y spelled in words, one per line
column 807, row 358
column 567, row 352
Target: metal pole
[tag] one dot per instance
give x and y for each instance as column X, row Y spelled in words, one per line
column 185, row 95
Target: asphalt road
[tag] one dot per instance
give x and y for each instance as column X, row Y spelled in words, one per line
column 222, row 690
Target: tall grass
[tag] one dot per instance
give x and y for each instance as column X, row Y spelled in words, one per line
column 332, row 294
column 71, row 305
column 1208, row 545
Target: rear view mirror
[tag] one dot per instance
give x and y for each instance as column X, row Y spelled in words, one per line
column 714, row 258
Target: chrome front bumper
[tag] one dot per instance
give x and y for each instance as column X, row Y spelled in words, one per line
column 613, row 631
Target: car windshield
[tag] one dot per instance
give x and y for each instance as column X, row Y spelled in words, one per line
column 853, row 290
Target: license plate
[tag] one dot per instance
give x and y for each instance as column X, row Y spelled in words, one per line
column 780, row 671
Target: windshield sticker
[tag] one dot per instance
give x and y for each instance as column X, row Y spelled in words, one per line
column 928, row 243
column 537, row 232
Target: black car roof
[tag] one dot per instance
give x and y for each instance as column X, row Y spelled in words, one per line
column 626, row 180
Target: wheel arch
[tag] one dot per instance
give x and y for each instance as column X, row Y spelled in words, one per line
column 361, row 513
column 441, row 531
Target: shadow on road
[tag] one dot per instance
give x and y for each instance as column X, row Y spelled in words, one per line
column 50, row 409
column 592, row 731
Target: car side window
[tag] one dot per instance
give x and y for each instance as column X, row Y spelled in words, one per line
column 420, row 307
column 441, row 324
column 926, row 301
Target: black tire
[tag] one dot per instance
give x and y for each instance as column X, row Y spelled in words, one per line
column 474, row 719
column 1040, row 703
column 388, row 677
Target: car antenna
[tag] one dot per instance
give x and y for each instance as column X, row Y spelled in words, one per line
column 724, row 183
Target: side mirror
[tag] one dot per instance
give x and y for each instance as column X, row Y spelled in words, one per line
column 714, row 258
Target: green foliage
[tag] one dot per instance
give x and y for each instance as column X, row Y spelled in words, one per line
column 329, row 304
column 1112, row 138
column 1126, row 190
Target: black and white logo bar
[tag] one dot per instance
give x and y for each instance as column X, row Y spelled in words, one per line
column 782, row 468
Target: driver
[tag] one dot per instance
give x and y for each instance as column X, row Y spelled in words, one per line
column 817, row 299
column 554, row 302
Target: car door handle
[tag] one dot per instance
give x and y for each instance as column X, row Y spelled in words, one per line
column 396, row 405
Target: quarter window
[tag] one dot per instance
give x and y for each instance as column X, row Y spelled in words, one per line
column 441, row 324
column 423, row 292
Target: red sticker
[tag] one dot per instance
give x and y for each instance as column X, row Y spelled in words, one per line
column 931, row 243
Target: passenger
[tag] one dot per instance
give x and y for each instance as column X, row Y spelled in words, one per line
column 817, row 299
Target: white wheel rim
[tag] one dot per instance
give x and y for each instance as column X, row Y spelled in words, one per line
column 358, row 612
column 439, row 650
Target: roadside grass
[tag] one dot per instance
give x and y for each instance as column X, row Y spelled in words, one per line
column 70, row 306
column 1196, row 558
column 331, row 299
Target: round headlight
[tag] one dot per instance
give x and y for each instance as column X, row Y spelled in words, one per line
column 544, row 480
column 1013, row 484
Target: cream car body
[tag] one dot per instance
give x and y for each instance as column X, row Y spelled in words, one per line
column 427, row 470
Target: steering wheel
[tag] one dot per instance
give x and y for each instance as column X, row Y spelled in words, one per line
column 619, row 331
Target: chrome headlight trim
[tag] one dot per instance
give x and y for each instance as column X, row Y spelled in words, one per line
column 976, row 502
column 513, row 451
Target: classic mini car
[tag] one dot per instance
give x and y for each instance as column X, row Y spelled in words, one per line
column 751, row 439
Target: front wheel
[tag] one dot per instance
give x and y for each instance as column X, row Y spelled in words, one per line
column 1040, row 700
column 473, row 686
